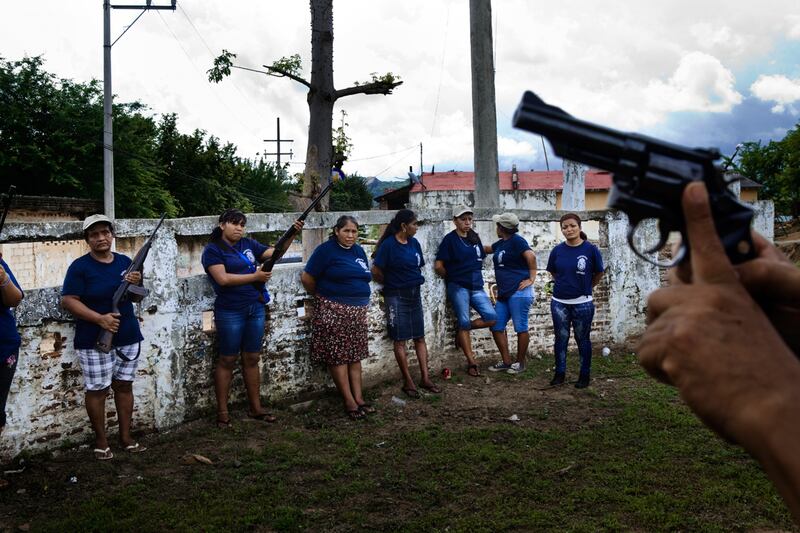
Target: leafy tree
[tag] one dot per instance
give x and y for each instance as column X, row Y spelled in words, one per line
column 351, row 194
column 776, row 166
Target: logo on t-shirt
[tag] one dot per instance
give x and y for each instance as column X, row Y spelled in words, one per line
column 362, row 263
column 500, row 257
column 249, row 255
column 419, row 259
column 478, row 251
column 582, row 264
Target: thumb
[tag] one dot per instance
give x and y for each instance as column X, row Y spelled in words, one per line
column 709, row 262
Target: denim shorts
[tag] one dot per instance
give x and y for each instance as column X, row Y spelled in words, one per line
column 240, row 330
column 404, row 314
column 516, row 307
column 462, row 299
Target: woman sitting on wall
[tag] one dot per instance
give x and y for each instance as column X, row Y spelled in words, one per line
column 338, row 275
column 397, row 264
column 459, row 261
column 231, row 261
column 87, row 293
column 576, row 267
column 515, row 273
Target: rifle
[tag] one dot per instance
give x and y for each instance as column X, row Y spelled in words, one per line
column 105, row 340
column 9, row 197
column 283, row 243
column 649, row 177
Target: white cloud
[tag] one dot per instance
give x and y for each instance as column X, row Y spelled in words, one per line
column 793, row 22
column 778, row 89
column 699, row 83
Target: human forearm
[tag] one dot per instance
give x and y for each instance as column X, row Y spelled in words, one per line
column 80, row 311
column 10, row 295
column 438, row 267
column 309, row 283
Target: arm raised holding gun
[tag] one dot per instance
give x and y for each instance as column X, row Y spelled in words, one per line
column 649, row 177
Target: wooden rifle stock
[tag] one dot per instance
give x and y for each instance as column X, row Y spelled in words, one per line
column 105, row 340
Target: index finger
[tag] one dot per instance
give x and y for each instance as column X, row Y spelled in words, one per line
column 709, row 262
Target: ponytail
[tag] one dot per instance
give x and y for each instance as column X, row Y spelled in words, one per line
column 404, row 216
column 472, row 237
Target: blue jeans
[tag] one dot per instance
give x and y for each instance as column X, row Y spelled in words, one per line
column 516, row 307
column 462, row 299
column 240, row 330
column 579, row 317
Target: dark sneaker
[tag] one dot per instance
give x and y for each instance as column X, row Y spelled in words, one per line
column 582, row 383
column 558, row 379
column 499, row 367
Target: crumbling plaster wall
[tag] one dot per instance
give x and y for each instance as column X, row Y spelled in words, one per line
column 46, row 408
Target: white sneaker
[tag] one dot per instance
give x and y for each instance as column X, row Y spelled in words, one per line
column 516, row 368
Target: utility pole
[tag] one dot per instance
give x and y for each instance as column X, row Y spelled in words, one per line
column 484, row 115
column 278, row 140
column 108, row 122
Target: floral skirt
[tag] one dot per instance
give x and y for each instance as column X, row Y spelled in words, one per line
column 339, row 333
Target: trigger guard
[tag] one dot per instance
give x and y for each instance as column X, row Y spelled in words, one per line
column 648, row 255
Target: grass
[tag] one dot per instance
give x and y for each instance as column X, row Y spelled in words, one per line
column 627, row 456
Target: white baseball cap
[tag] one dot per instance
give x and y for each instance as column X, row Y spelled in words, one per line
column 94, row 219
column 507, row 220
column 460, row 210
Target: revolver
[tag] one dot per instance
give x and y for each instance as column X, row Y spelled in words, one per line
column 649, row 176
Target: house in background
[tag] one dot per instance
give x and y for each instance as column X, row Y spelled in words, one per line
column 536, row 190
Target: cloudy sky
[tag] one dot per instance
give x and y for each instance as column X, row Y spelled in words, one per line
column 700, row 73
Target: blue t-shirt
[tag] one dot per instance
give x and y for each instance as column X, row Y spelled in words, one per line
column 342, row 274
column 9, row 336
column 241, row 258
column 462, row 261
column 95, row 283
column 401, row 263
column 573, row 268
column 510, row 267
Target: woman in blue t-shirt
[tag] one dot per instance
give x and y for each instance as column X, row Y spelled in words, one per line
column 459, row 261
column 576, row 267
column 337, row 274
column 397, row 264
column 515, row 273
column 10, row 296
column 231, row 261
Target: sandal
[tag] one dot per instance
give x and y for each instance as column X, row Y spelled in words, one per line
column 366, row 408
column 411, row 393
column 223, row 420
column 474, row 371
column 135, row 448
column 355, row 414
column 264, row 417
column 103, row 455
column 431, row 388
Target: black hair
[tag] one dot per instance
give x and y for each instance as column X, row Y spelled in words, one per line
column 341, row 222
column 509, row 231
column 577, row 219
column 229, row 215
column 473, row 237
column 404, row 216
column 110, row 228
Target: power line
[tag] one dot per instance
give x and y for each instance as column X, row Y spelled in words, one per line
column 381, row 155
column 441, row 69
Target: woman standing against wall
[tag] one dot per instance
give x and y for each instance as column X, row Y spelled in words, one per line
column 338, row 275
column 10, row 296
column 231, row 262
column 459, row 261
column 515, row 273
column 397, row 264
column 576, row 267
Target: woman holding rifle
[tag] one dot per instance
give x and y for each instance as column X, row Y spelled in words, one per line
column 87, row 293
column 231, row 262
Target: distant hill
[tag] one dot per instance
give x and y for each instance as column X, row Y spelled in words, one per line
column 377, row 186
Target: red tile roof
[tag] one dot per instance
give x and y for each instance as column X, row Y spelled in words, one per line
column 533, row 180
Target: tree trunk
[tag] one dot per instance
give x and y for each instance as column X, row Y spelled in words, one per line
column 321, row 98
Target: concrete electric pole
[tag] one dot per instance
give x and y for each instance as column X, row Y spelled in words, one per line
column 108, row 123
column 484, row 116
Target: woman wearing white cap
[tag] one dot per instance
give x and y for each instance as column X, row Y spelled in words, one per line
column 459, row 261
column 88, row 289
column 515, row 273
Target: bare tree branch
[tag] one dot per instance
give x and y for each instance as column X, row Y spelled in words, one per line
column 369, row 88
column 275, row 71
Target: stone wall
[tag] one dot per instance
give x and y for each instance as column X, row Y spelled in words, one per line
column 174, row 384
